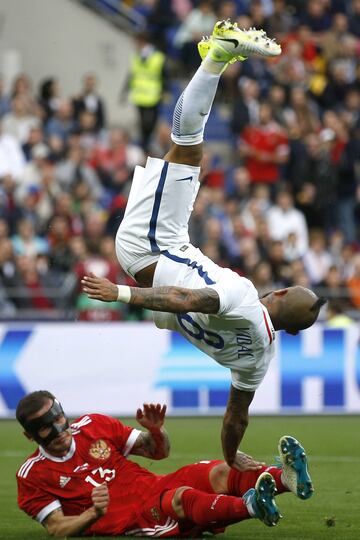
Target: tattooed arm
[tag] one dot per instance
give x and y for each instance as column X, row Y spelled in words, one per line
column 171, row 299
column 155, row 443
column 235, row 422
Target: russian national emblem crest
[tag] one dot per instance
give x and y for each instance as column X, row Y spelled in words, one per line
column 100, row 450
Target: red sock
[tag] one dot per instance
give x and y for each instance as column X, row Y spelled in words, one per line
column 240, row 482
column 205, row 509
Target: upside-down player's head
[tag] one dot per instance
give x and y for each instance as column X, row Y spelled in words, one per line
column 293, row 309
column 44, row 421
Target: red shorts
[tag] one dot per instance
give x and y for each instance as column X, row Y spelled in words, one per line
column 151, row 521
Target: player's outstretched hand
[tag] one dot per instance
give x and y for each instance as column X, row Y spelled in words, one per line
column 243, row 462
column 99, row 288
column 151, row 416
column 100, row 498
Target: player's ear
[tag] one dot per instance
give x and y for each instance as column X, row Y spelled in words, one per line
column 281, row 292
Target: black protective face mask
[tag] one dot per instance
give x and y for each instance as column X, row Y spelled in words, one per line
column 47, row 420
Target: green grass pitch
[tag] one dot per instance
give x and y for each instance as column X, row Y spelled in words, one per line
column 332, row 443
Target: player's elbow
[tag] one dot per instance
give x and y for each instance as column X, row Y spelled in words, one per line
column 164, row 453
column 54, row 530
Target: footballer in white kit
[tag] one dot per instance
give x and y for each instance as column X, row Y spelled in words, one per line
column 214, row 308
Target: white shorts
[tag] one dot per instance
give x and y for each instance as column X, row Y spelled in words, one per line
column 157, row 213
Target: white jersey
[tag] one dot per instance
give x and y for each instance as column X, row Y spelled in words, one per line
column 155, row 229
column 240, row 336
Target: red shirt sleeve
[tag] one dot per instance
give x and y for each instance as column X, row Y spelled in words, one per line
column 34, row 501
column 122, row 436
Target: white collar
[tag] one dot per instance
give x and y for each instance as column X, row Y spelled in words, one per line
column 68, row 456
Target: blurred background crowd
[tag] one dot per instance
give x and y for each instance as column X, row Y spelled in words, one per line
column 279, row 202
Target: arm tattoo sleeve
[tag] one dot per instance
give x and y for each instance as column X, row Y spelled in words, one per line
column 154, row 444
column 176, row 299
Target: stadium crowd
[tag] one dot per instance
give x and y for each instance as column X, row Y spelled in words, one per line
column 284, row 211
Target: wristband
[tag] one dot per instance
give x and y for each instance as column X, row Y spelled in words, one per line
column 124, row 293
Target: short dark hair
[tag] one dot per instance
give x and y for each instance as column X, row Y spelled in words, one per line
column 31, row 403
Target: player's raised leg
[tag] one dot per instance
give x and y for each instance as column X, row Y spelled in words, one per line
column 226, row 45
column 162, row 196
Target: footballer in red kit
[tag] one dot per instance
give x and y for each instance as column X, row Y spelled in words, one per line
column 80, row 481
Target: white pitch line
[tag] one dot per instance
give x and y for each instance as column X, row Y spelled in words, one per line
column 12, row 453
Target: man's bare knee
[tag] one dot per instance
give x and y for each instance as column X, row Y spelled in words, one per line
column 177, row 503
column 185, row 155
column 218, row 478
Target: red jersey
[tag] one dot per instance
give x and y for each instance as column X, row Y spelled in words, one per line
column 268, row 140
column 97, row 454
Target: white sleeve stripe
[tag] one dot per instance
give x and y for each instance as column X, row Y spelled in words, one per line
column 47, row 510
column 24, row 465
column 25, row 470
column 131, row 441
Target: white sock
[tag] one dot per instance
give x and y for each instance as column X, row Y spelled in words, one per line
column 194, row 105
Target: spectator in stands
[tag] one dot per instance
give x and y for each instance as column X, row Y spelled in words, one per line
column 347, row 188
column 198, row 23
column 19, row 121
column 49, row 98
column 32, row 173
column 303, row 111
column 246, row 106
column 30, row 284
column 335, row 287
column 316, row 16
column 12, row 159
column 90, row 101
column 74, row 170
column 264, row 148
column 262, row 278
column 5, row 101
column 62, row 123
column 146, row 84
column 354, row 18
column 280, row 22
column 116, row 160
column 36, row 136
column 27, row 242
column 22, row 87
column 317, row 259
column 285, row 220
column 61, row 257
column 317, row 194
